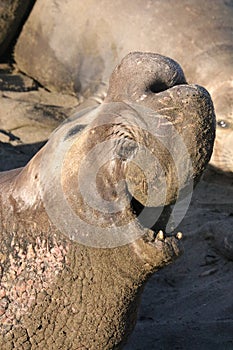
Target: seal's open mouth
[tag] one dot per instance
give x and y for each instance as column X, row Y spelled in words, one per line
column 154, row 219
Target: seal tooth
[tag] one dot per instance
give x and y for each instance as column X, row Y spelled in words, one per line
column 160, row 235
column 151, row 235
column 179, row 235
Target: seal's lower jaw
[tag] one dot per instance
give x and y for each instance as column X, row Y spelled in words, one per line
column 155, row 247
column 157, row 250
column 171, row 242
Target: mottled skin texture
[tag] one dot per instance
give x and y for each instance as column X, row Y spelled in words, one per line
column 86, row 299
column 58, row 294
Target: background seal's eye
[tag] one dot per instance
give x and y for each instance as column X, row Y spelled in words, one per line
column 222, row 124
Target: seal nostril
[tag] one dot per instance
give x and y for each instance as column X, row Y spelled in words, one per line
column 158, row 86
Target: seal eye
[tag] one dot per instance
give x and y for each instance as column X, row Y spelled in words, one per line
column 222, row 124
column 126, row 148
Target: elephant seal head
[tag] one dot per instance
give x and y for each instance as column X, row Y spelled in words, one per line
column 113, row 169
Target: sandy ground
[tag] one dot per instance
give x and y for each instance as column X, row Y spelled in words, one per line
column 188, row 305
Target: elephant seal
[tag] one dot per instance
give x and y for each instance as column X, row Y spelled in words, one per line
column 196, row 34
column 65, row 286
column 222, row 157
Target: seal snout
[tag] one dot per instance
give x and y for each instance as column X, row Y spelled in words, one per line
column 146, row 74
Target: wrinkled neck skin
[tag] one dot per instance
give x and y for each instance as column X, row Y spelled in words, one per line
column 57, row 293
